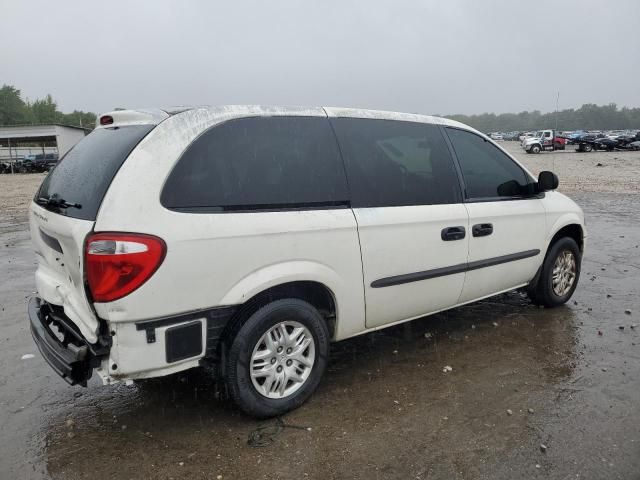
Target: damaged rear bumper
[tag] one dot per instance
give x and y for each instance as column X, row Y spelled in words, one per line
column 62, row 345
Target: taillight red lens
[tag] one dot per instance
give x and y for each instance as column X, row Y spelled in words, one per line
column 106, row 120
column 118, row 263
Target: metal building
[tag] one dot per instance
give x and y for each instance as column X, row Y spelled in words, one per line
column 16, row 141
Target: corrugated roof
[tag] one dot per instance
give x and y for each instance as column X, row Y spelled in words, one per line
column 44, row 125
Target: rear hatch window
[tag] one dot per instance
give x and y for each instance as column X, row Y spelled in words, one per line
column 77, row 185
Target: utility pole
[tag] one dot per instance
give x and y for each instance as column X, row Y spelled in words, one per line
column 10, row 157
column 557, row 101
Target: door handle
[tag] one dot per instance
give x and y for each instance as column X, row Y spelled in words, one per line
column 453, row 233
column 482, row 229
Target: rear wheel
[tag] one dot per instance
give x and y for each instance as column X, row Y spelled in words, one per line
column 587, row 147
column 277, row 358
column 559, row 275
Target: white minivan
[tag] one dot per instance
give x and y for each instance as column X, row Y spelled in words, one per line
column 249, row 238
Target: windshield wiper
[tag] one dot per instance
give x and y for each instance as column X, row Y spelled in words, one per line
column 56, row 201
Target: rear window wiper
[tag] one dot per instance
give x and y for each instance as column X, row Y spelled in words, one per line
column 55, row 200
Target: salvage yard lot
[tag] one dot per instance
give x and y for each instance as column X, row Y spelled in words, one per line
column 385, row 409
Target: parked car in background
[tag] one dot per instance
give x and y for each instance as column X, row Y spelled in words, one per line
column 614, row 134
column 619, row 141
column 510, row 136
column 261, row 234
column 572, row 136
column 41, row 162
column 605, row 143
column 496, row 136
column 585, row 142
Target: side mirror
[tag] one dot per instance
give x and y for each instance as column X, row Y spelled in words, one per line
column 547, row 181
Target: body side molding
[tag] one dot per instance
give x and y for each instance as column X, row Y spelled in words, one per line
column 460, row 268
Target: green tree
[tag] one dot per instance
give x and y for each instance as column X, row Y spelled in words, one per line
column 13, row 110
column 587, row 117
column 45, row 111
column 79, row 118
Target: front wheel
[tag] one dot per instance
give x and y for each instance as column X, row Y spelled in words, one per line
column 535, row 149
column 277, row 358
column 560, row 274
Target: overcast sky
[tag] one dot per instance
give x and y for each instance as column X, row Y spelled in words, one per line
column 415, row 56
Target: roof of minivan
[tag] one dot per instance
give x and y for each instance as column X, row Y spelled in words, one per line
column 155, row 116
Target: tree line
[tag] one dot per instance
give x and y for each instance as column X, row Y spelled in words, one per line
column 14, row 110
column 587, row 117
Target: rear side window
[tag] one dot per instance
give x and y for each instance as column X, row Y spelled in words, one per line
column 392, row 163
column 86, row 171
column 259, row 163
column 488, row 172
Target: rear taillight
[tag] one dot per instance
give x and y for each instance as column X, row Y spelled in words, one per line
column 118, row 263
column 106, row 120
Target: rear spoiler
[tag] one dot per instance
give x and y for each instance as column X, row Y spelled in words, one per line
column 153, row 116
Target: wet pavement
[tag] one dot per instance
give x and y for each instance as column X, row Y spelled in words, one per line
column 521, row 377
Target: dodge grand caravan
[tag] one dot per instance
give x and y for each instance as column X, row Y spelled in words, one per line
column 247, row 239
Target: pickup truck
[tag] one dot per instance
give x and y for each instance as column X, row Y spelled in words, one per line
column 41, row 162
column 547, row 140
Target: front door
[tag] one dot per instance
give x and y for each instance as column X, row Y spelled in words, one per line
column 507, row 220
column 412, row 225
column 547, row 139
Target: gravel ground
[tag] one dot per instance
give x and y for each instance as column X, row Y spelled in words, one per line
column 604, row 172
column 16, row 192
column 521, row 378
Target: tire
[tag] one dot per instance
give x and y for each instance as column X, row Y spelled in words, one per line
column 535, row 148
column 290, row 313
column 543, row 291
column 587, row 147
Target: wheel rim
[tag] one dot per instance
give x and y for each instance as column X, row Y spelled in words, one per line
column 564, row 273
column 282, row 360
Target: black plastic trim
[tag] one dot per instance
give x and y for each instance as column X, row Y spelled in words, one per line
column 183, row 341
column 504, row 199
column 73, row 358
column 291, row 207
column 417, row 276
column 482, row 229
column 456, row 163
column 512, row 257
column 452, row 270
column 453, row 233
column 216, row 318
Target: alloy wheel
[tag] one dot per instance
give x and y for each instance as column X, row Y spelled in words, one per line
column 282, row 360
column 564, row 273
